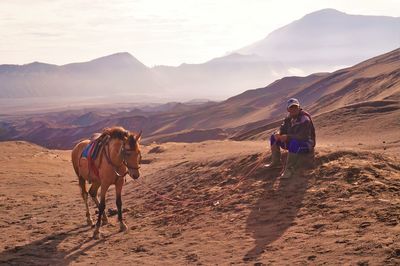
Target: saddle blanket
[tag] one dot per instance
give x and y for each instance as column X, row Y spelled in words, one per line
column 91, row 150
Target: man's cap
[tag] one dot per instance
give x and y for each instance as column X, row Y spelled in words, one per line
column 292, row 101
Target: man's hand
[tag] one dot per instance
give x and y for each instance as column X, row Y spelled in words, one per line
column 283, row 138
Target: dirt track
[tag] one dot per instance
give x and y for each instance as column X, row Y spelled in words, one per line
column 346, row 211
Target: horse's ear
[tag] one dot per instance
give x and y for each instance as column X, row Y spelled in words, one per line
column 139, row 136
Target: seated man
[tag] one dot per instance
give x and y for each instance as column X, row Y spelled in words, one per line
column 296, row 134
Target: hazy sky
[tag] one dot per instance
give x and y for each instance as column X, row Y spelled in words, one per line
column 167, row 32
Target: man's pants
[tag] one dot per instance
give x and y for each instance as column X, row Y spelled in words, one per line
column 293, row 146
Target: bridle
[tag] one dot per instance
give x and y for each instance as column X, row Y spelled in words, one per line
column 124, row 153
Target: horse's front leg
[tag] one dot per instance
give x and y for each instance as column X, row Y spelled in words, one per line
column 118, row 190
column 102, row 206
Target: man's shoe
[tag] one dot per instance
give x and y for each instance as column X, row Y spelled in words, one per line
column 288, row 173
column 275, row 158
column 291, row 165
column 273, row 165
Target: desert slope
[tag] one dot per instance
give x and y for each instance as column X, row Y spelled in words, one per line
column 346, row 211
column 375, row 79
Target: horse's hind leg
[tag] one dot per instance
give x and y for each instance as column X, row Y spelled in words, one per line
column 93, row 193
column 102, row 206
column 82, row 184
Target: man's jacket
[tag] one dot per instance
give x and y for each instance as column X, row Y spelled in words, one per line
column 300, row 128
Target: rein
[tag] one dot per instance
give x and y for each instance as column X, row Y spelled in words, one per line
column 208, row 201
column 124, row 152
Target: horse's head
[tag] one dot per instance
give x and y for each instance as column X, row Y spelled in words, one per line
column 131, row 155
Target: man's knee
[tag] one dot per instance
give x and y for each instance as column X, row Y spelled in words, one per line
column 296, row 146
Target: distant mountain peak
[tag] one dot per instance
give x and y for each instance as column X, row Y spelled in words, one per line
column 328, row 37
column 38, row 66
column 324, row 14
column 326, row 11
column 120, row 55
column 236, row 57
column 117, row 56
column 123, row 58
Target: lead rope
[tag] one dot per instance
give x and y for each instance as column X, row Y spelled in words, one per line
column 191, row 202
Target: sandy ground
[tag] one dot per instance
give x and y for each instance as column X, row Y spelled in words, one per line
column 230, row 211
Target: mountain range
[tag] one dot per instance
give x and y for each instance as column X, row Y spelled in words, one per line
column 327, row 39
column 320, row 41
column 372, row 86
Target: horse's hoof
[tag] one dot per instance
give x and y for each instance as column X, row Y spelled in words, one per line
column 90, row 222
column 96, row 234
column 123, row 227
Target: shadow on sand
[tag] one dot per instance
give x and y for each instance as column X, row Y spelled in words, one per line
column 45, row 251
column 274, row 211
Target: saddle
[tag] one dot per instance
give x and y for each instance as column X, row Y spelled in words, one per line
column 92, row 151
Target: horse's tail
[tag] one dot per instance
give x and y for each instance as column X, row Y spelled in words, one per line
column 76, row 168
column 82, row 181
column 75, row 157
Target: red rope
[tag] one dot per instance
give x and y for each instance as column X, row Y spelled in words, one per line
column 91, row 161
column 191, row 202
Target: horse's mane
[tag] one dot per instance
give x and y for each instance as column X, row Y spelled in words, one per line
column 116, row 132
column 122, row 134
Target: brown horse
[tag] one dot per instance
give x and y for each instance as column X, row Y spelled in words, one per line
column 119, row 155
